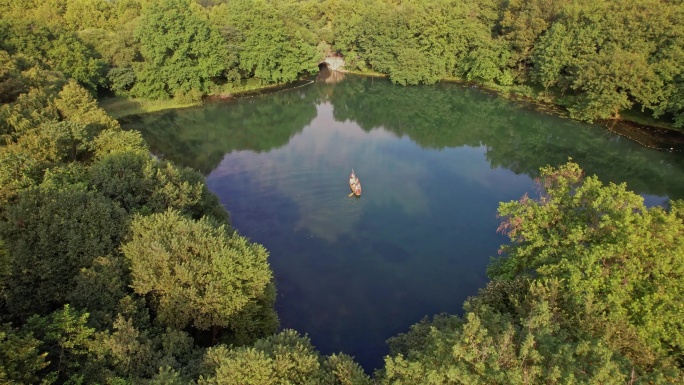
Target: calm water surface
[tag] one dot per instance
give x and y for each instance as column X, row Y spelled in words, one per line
column 434, row 163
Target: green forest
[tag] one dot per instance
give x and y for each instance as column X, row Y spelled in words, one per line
column 118, row 268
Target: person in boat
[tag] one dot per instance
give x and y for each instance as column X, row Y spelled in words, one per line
column 352, row 180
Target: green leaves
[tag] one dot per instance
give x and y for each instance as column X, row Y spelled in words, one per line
column 619, row 263
column 196, row 273
column 268, row 48
column 50, row 236
column 613, row 54
column 181, row 50
column 285, row 358
column 20, row 357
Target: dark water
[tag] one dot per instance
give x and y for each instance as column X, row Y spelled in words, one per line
column 434, row 163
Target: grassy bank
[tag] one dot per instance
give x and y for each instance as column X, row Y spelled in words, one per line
column 120, row 106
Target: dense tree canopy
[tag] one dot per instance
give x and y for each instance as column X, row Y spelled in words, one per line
column 114, row 264
column 181, row 51
column 197, row 273
column 598, row 59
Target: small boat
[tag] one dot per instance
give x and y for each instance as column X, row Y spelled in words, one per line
column 354, row 184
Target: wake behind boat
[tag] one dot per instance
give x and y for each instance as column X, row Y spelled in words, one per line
column 354, row 184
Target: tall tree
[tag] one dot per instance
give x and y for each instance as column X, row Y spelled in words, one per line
column 268, row 50
column 50, row 236
column 620, row 265
column 181, row 51
column 21, row 359
column 196, row 273
column 285, row 358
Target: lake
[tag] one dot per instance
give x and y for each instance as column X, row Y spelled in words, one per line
column 434, row 163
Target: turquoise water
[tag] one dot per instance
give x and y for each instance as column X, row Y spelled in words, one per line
column 434, row 163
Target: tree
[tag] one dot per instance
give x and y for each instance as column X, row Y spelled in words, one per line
column 181, row 50
column 67, row 339
column 609, row 56
column 620, row 265
column 522, row 23
column 268, row 50
column 21, row 360
column 11, row 82
column 50, row 236
column 140, row 183
column 285, row 358
column 118, row 141
column 73, row 58
column 195, row 272
column 493, row 346
column 76, row 104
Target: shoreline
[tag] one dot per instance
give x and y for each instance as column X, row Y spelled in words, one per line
column 660, row 138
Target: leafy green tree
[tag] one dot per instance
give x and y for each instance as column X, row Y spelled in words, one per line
column 100, row 288
column 619, row 263
column 56, row 142
column 50, row 236
column 11, row 82
column 21, row 360
column 26, row 113
column 526, row 346
column 195, row 272
column 117, row 44
column 167, row 376
column 610, row 55
column 181, row 50
column 344, row 21
column 121, row 80
column 269, row 51
column 85, row 14
column 73, row 58
column 140, row 183
column 141, row 353
column 118, row 141
column 76, row 104
column 51, row 145
column 285, row 358
column 67, row 340
column 522, row 23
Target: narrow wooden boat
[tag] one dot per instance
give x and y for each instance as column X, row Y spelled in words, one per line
column 354, row 184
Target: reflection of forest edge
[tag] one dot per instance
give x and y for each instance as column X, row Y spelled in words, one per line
column 435, row 117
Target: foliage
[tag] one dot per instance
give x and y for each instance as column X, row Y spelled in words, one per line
column 117, row 141
column 52, row 48
column 607, row 52
column 27, row 112
column 195, row 272
column 285, row 358
column 588, row 290
column 620, row 263
column 11, row 82
column 522, row 24
column 269, row 49
column 66, row 338
column 50, row 236
column 100, row 287
column 140, row 183
column 77, row 105
column 488, row 346
column 20, row 357
column 182, row 51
